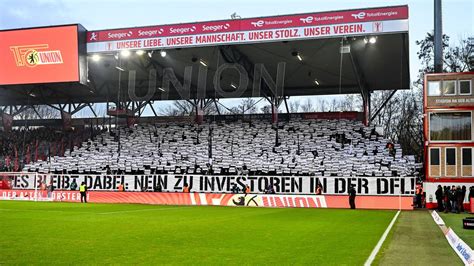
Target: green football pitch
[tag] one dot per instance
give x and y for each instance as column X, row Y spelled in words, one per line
column 72, row 233
column 45, row 233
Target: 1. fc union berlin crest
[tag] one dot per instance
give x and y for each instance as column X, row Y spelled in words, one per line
column 33, row 55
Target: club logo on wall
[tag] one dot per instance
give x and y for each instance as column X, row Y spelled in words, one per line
column 377, row 26
column 245, row 200
column 33, row 55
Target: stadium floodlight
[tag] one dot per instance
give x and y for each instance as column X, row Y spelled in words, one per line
column 202, row 62
column 373, row 39
column 298, row 55
column 140, row 52
column 316, row 82
column 95, row 57
column 163, row 53
column 125, row 53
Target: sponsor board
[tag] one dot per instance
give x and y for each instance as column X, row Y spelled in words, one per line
column 239, row 37
column 222, row 184
column 301, row 26
column 460, row 247
column 215, row 199
column 438, row 220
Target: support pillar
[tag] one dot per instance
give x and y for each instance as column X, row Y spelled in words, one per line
column 274, row 114
column 366, row 107
column 199, row 111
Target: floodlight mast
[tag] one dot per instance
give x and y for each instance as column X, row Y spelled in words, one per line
column 438, row 37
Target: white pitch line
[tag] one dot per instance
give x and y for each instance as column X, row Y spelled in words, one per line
column 377, row 247
column 29, row 210
column 141, row 210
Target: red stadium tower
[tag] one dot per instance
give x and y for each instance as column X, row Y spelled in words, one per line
column 448, row 132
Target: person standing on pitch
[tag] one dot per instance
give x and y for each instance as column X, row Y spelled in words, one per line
column 83, row 190
column 439, row 198
column 352, row 196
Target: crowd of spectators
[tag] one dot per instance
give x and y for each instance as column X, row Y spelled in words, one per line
column 451, row 199
column 22, row 146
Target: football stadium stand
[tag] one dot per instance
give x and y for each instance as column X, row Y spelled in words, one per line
column 298, row 147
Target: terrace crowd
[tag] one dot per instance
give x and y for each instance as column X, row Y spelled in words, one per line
column 257, row 147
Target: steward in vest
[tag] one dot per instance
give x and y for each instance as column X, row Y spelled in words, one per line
column 83, row 190
column 186, row 188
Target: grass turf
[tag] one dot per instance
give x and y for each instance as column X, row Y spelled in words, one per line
column 454, row 221
column 416, row 239
column 45, row 233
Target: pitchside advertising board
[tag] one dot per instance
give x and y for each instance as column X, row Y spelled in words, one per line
column 253, row 30
column 43, row 55
column 387, row 186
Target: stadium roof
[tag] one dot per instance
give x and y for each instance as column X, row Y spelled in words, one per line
column 336, row 58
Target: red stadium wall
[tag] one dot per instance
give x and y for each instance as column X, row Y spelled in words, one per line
column 434, row 205
column 216, row 199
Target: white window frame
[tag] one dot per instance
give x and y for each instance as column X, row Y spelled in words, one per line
column 449, row 94
column 439, row 160
column 470, row 86
column 462, row 159
column 449, row 141
column 439, row 87
column 446, row 162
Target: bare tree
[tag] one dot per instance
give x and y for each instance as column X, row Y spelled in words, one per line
column 294, row 106
column 267, row 109
column 186, row 108
column 322, row 105
column 351, row 102
column 334, row 105
column 39, row 112
column 307, row 107
column 402, row 116
column 247, row 106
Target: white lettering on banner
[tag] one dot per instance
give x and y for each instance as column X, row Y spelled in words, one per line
column 360, row 15
column 215, row 27
column 120, row 35
column 293, row 201
column 307, row 20
column 150, row 33
column 183, row 30
column 458, row 100
column 146, row 39
column 40, row 195
column 216, row 184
